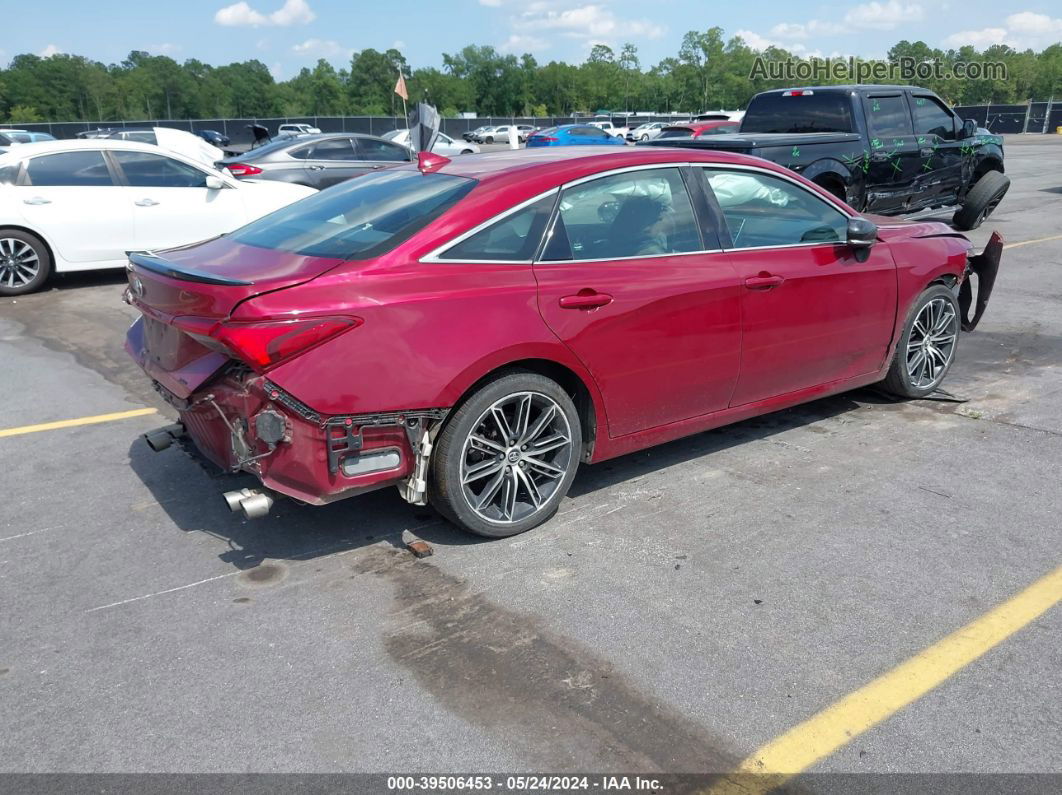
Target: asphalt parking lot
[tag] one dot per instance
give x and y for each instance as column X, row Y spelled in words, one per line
column 688, row 605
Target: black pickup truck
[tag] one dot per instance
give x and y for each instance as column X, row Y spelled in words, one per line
column 881, row 149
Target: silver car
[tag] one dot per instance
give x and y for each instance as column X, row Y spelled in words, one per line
column 647, row 131
column 318, row 161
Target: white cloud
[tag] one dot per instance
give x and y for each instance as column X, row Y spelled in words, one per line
column 491, row 3
column 321, row 48
column 976, row 38
column 49, row 51
column 1023, row 30
column 165, row 48
column 883, row 16
column 293, row 12
column 590, row 21
column 757, row 42
column 276, row 70
column 517, row 43
column 796, row 30
column 398, row 44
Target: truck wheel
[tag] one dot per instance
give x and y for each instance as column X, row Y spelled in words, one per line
column 507, row 457
column 926, row 347
column 25, row 263
column 982, row 199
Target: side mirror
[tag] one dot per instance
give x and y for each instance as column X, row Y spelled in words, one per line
column 969, row 129
column 862, row 234
column 214, row 183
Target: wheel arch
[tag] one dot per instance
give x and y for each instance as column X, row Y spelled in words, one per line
column 573, row 379
column 43, row 238
column 989, row 162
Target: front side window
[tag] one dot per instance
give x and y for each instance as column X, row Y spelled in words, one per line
column 643, row 213
column 514, row 238
column 888, row 116
column 930, row 118
column 147, row 170
column 764, row 210
column 358, row 219
column 69, row 169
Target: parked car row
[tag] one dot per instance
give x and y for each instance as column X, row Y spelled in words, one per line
column 573, row 135
column 500, row 133
column 81, row 205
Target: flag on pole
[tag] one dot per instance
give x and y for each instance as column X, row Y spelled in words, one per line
column 400, row 87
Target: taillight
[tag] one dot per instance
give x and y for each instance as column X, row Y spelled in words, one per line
column 243, row 169
column 263, row 343
column 548, row 139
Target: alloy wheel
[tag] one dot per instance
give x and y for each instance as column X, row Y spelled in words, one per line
column 19, row 263
column 515, row 458
column 931, row 343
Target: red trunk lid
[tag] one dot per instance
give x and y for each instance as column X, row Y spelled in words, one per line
column 183, row 292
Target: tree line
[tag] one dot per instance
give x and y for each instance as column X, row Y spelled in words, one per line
column 708, row 72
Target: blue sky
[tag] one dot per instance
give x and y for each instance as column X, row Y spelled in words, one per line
column 289, row 34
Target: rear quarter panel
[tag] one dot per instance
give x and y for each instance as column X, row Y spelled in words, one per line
column 429, row 332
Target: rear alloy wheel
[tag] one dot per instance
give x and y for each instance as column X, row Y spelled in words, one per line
column 507, row 457
column 926, row 349
column 490, row 139
column 645, row 136
column 25, row 263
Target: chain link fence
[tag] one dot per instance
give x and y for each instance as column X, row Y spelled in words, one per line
column 1034, row 117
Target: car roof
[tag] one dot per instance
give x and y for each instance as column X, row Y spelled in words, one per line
column 74, row 144
column 863, row 87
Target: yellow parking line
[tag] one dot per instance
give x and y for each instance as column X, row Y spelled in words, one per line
column 1030, row 242
column 816, row 738
column 52, row 426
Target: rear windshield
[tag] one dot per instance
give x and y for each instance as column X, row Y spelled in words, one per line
column 359, row 219
column 547, row 131
column 675, row 132
column 819, row 112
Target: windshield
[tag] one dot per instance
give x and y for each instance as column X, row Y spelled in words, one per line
column 775, row 113
column 359, row 219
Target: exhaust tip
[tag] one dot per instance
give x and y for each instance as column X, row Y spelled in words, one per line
column 256, row 506
column 234, row 498
column 158, row 440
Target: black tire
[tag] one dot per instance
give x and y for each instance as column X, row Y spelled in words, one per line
column 899, row 380
column 448, row 494
column 981, row 200
column 16, row 261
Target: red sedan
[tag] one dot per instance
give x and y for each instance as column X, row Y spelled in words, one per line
column 471, row 331
column 696, row 129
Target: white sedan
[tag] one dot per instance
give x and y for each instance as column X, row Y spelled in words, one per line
column 444, row 144
column 81, row 205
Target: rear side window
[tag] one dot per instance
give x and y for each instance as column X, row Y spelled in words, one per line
column 887, row 117
column 818, row 112
column 359, row 219
column 146, row 170
column 333, row 149
column 930, row 118
column 373, row 149
column 641, row 213
column 587, row 132
column 511, row 239
column 69, row 169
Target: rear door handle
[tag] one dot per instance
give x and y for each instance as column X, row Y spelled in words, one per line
column 37, row 200
column 764, row 282
column 145, row 202
column 315, row 168
column 925, row 151
column 585, row 299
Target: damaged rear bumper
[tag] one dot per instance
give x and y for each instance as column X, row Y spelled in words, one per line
column 985, row 266
column 243, row 422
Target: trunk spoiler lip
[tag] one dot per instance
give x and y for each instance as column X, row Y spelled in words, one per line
column 986, row 266
column 156, row 264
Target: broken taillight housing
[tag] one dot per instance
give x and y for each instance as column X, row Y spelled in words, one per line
column 264, row 343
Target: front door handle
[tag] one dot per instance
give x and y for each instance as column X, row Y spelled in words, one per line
column 315, row 168
column 765, row 281
column 145, row 202
column 585, row 299
column 926, row 151
column 37, row 200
